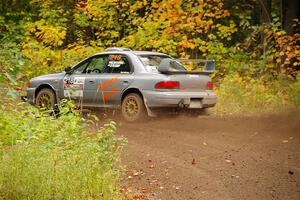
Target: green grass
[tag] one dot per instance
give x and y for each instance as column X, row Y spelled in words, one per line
column 43, row 157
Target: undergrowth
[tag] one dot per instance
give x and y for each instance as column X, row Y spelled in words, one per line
column 237, row 95
column 44, row 157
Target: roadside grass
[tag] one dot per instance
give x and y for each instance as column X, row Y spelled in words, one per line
column 237, row 95
column 46, row 157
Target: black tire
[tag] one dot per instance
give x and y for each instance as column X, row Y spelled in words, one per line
column 133, row 108
column 46, row 99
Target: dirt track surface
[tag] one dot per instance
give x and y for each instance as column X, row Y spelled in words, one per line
column 214, row 158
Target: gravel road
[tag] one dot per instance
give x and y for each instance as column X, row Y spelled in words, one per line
column 214, row 158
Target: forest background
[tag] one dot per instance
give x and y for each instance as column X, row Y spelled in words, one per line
column 254, row 42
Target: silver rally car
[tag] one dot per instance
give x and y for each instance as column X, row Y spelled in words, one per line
column 135, row 81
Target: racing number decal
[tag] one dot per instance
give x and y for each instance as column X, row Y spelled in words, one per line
column 73, row 87
column 115, row 61
column 115, row 57
column 111, row 92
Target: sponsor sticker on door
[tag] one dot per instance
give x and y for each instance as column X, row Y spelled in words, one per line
column 73, row 86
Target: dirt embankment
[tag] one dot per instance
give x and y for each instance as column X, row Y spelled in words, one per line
column 214, row 158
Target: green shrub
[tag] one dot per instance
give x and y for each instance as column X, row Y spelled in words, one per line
column 44, row 157
column 237, row 94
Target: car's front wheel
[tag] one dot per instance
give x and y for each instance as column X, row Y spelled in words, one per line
column 45, row 99
column 133, row 108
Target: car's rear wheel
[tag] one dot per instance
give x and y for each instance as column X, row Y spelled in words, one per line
column 133, row 107
column 45, row 99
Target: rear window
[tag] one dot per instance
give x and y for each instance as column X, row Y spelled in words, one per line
column 151, row 63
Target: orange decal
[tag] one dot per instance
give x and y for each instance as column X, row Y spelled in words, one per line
column 109, row 82
column 111, row 92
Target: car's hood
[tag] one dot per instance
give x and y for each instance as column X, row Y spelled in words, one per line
column 50, row 76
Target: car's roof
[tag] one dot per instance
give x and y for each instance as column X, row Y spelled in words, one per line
column 133, row 52
column 148, row 53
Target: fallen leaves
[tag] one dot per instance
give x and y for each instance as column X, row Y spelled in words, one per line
column 286, row 141
column 151, row 166
column 193, row 161
column 291, row 172
column 235, row 176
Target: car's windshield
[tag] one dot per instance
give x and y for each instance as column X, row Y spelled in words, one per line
column 151, row 62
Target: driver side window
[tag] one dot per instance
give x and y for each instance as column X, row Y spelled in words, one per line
column 96, row 65
column 91, row 66
column 82, row 66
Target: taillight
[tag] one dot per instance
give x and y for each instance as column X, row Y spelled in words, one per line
column 210, row 85
column 28, row 84
column 167, row 85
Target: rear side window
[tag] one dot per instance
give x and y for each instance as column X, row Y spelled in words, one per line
column 117, row 63
column 151, row 62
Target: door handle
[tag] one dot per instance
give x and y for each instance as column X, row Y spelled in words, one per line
column 126, row 82
column 91, row 81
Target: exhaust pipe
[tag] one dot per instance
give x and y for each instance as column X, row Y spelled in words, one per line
column 181, row 104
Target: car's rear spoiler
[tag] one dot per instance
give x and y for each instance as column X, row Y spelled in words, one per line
column 164, row 67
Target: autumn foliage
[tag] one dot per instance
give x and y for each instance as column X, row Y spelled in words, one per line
column 42, row 36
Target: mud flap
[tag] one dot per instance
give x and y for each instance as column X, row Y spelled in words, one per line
column 149, row 111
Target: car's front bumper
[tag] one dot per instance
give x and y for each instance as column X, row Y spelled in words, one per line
column 184, row 99
column 30, row 95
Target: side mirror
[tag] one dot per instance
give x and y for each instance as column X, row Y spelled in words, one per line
column 68, row 70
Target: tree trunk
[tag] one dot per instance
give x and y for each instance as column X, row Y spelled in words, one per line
column 265, row 11
column 291, row 11
column 265, row 19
